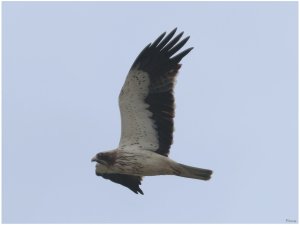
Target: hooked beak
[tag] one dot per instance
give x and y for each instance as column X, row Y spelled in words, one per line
column 94, row 159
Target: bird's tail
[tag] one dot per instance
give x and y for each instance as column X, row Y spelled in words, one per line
column 193, row 172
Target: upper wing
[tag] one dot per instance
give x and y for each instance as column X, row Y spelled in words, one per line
column 132, row 182
column 146, row 100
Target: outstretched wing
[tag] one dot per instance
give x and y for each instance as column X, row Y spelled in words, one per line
column 146, row 100
column 129, row 181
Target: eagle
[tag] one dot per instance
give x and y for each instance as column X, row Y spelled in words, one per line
column 147, row 106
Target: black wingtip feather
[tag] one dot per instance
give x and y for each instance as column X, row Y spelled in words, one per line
column 156, row 42
column 174, row 30
column 172, row 43
column 160, row 51
column 166, row 39
column 178, row 46
column 177, row 58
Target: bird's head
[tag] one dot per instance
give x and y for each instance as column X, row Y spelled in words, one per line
column 98, row 158
column 101, row 163
column 104, row 160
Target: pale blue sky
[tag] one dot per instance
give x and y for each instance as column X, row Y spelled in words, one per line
column 236, row 97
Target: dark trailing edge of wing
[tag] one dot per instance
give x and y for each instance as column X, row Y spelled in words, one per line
column 158, row 61
column 129, row 181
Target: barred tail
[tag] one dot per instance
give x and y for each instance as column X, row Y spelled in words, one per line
column 193, row 172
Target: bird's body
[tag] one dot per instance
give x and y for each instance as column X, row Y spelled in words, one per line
column 147, row 107
column 137, row 162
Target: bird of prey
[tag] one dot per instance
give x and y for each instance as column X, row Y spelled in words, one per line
column 147, row 107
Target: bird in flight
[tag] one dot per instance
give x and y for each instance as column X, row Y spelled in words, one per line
column 147, row 106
